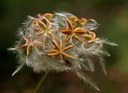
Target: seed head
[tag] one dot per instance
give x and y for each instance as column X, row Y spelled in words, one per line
column 60, row 42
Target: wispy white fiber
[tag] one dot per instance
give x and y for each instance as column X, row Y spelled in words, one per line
column 60, row 42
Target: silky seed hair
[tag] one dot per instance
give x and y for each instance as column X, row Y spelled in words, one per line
column 60, row 42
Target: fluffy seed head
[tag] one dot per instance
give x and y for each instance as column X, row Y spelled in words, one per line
column 60, row 42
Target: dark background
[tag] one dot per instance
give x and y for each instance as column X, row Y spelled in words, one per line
column 112, row 15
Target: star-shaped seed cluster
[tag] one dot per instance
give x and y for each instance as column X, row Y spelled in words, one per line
column 60, row 42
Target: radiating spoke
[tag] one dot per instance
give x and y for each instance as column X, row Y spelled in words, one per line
column 59, row 51
column 72, row 31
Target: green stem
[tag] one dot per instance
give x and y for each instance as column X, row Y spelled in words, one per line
column 40, row 82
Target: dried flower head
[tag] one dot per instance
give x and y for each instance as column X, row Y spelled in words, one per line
column 60, row 42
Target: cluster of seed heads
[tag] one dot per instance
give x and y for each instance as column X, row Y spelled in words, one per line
column 60, row 42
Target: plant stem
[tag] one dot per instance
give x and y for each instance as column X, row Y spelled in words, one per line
column 40, row 82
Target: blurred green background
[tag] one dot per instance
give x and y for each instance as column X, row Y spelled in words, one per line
column 112, row 15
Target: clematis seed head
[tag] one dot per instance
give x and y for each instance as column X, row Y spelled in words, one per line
column 52, row 41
